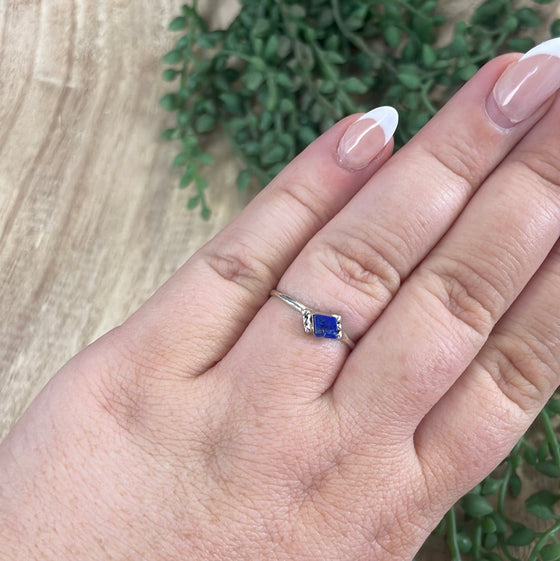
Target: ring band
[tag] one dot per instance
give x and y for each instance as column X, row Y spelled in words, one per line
column 328, row 326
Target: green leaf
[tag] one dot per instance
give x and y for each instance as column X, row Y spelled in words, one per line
column 550, row 469
column 354, row 85
column 543, row 451
column 460, row 46
column 172, row 57
column 424, row 28
column 186, row 179
column 286, row 106
column 527, row 17
column 501, row 524
column 180, row 159
column 515, row 485
column 476, row 505
column 490, row 541
column 543, row 497
column 392, row 36
column 555, row 28
column 541, row 511
column 168, row 134
column 467, row 72
column 274, row 155
column 550, row 552
column 232, row 103
column 253, row 79
column 205, row 158
column 169, row 102
column 521, row 536
column 521, row 44
column 327, row 86
column 261, row 27
column 553, row 405
column 205, row 213
column 201, row 183
column 510, row 25
column 429, row 56
column 270, row 52
column 488, row 525
column 409, row 80
column 334, row 57
column 307, row 135
column 193, row 202
column 243, row 179
column 205, row 123
column 208, row 40
column 490, row 486
column 183, row 42
column 530, row 455
column 296, row 11
column 169, row 74
column 178, row 23
column 464, row 543
column 488, row 11
column 284, row 47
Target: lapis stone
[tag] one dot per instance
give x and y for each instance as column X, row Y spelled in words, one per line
column 325, row 326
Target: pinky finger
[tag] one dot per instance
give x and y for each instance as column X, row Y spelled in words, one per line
column 477, row 423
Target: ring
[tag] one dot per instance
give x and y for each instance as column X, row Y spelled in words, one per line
column 328, row 326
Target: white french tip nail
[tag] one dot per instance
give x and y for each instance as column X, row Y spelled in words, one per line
column 550, row 48
column 387, row 118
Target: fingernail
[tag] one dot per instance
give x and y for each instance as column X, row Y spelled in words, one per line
column 526, row 85
column 366, row 137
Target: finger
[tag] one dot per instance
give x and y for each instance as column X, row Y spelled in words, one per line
column 355, row 265
column 206, row 306
column 444, row 313
column 488, row 409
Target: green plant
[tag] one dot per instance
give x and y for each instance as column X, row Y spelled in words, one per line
column 285, row 70
column 480, row 525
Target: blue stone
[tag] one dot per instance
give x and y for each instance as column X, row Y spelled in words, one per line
column 325, row 326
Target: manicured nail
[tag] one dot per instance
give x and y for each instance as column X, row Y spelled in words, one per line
column 366, row 137
column 526, row 85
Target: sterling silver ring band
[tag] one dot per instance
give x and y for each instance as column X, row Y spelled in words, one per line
column 319, row 324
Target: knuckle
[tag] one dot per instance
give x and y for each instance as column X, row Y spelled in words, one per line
column 523, row 368
column 120, row 389
column 362, row 264
column 302, row 201
column 543, row 165
column 462, row 165
column 465, row 294
column 238, row 264
column 126, row 384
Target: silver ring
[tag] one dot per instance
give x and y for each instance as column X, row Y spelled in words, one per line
column 328, row 326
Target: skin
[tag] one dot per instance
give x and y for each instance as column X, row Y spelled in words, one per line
column 209, row 426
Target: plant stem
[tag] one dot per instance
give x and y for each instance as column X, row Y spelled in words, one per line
column 542, row 541
column 551, row 436
column 452, row 535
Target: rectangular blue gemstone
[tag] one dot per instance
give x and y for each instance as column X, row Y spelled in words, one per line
column 325, row 326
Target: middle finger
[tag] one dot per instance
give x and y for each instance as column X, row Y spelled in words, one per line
column 356, row 264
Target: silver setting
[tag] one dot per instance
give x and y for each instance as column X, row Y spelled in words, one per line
column 338, row 327
column 308, row 322
column 308, row 317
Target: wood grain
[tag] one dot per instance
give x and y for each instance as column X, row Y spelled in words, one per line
column 91, row 221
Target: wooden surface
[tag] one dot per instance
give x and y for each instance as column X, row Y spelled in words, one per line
column 91, row 221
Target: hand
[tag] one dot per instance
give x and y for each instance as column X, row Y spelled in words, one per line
column 210, row 426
